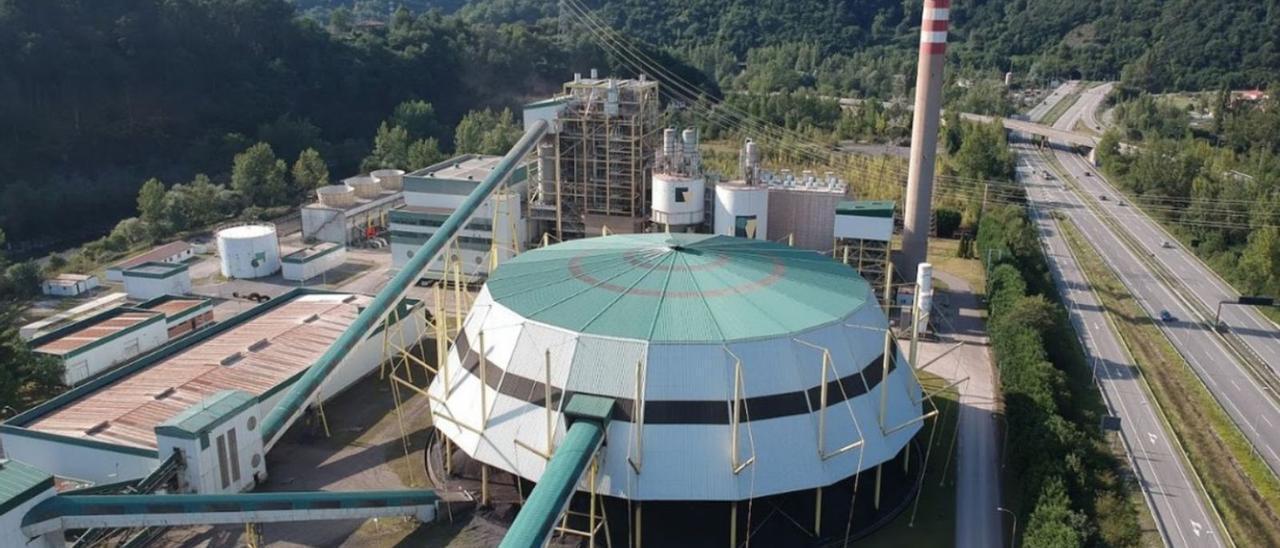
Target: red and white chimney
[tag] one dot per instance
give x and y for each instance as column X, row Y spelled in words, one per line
column 924, row 134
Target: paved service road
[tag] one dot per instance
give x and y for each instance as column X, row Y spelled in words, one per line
column 1172, row 494
column 959, row 320
column 1250, row 405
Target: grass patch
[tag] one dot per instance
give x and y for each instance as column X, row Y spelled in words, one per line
column 1241, row 485
column 1061, row 107
column 942, row 255
column 935, row 517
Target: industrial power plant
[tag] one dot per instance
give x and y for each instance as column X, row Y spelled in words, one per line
column 622, row 346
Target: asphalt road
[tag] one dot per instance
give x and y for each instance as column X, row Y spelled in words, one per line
column 1249, row 404
column 1037, row 112
column 978, row 478
column 1171, row 493
column 1196, row 279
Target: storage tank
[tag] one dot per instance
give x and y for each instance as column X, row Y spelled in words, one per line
column 742, row 210
column 365, row 186
column 677, row 200
column 389, row 179
column 249, row 251
column 339, row 196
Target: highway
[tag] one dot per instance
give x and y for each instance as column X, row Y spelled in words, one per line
column 1250, row 404
column 1172, row 494
column 1256, row 331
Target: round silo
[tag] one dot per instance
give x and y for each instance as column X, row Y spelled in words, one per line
column 339, row 196
column 249, row 251
column 742, row 210
column 677, row 200
column 366, row 187
column 389, row 179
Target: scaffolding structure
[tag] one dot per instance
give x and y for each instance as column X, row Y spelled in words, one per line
column 604, row 152
column 869, row 257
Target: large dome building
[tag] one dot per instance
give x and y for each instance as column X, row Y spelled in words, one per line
column 676, row 329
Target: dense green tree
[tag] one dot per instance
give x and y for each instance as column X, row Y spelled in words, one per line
column 1260, row 262
column 260, row 177
column 1053, row 524
column 390, row 149
column 198, row 204
column 424, row 152
column 309, row 172
column 132, row 231
column 151, row 200
column 486, row 132
column 418, row 118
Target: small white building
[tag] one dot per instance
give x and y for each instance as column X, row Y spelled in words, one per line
column 156, row 279
column 219, row 444
column 350, row 221
column 433, row 193
column 123, row 424
column 307, row 263
column 172, row 252
column 69, row 285
column 100, row 342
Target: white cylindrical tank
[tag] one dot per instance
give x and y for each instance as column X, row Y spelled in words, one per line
column 677, row 200
column 249, row 251
column 365, row 186
column 924, row 302
column 742, row 210
column 340, row 196
column 389, row 179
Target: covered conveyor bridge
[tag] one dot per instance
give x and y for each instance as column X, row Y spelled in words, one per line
column 588, row 418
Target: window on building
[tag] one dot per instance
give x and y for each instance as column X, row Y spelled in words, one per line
column 682, row 194
column 222, row 462
column 234, row 455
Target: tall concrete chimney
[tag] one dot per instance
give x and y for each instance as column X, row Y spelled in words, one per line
column 924, row 134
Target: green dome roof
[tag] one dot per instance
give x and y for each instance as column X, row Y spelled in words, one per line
column 693, row 288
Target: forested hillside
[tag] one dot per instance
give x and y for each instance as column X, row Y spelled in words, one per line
column 97, row 97
column 1178, row 44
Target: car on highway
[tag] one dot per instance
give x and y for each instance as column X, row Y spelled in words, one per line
column 1102, row 197
column 1165, row 316
column 1165, row 244
column 1087, row 174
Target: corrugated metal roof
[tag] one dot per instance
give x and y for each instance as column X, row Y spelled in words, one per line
column 19, row 482
column 868, row 208
column 255, row 353
column 158, row 253
column 678, row 287
column 211, row 412
column 92, row 330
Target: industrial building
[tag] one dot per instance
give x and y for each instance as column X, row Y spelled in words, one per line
column 172, row 252
column 69, row 285
column 97, row 343
column 312, row 261
column 604, row 133
column 355, row 211
column 802, row 208
column 495, row 233
column 156, row 279
column 121, row 425
column 182, row 315
column 730, row 369
column 864, row 237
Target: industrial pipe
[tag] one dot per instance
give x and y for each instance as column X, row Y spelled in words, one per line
column 369, row 319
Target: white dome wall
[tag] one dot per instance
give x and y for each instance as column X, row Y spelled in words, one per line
column 684, row 462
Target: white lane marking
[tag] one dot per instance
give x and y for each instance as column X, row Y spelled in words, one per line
column 1152, row 436
column 1195, row 527
column 1268, row 421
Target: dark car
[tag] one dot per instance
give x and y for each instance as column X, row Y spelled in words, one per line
column 1165, row 316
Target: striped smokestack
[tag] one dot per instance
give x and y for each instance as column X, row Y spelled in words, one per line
column 924, row 134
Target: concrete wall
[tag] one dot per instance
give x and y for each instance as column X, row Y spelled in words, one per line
column 315, row 267
column 144, row 288
column 11, row 526
column 323, row 224
column 51, row 287
column 73, row 459
column 114, row 352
